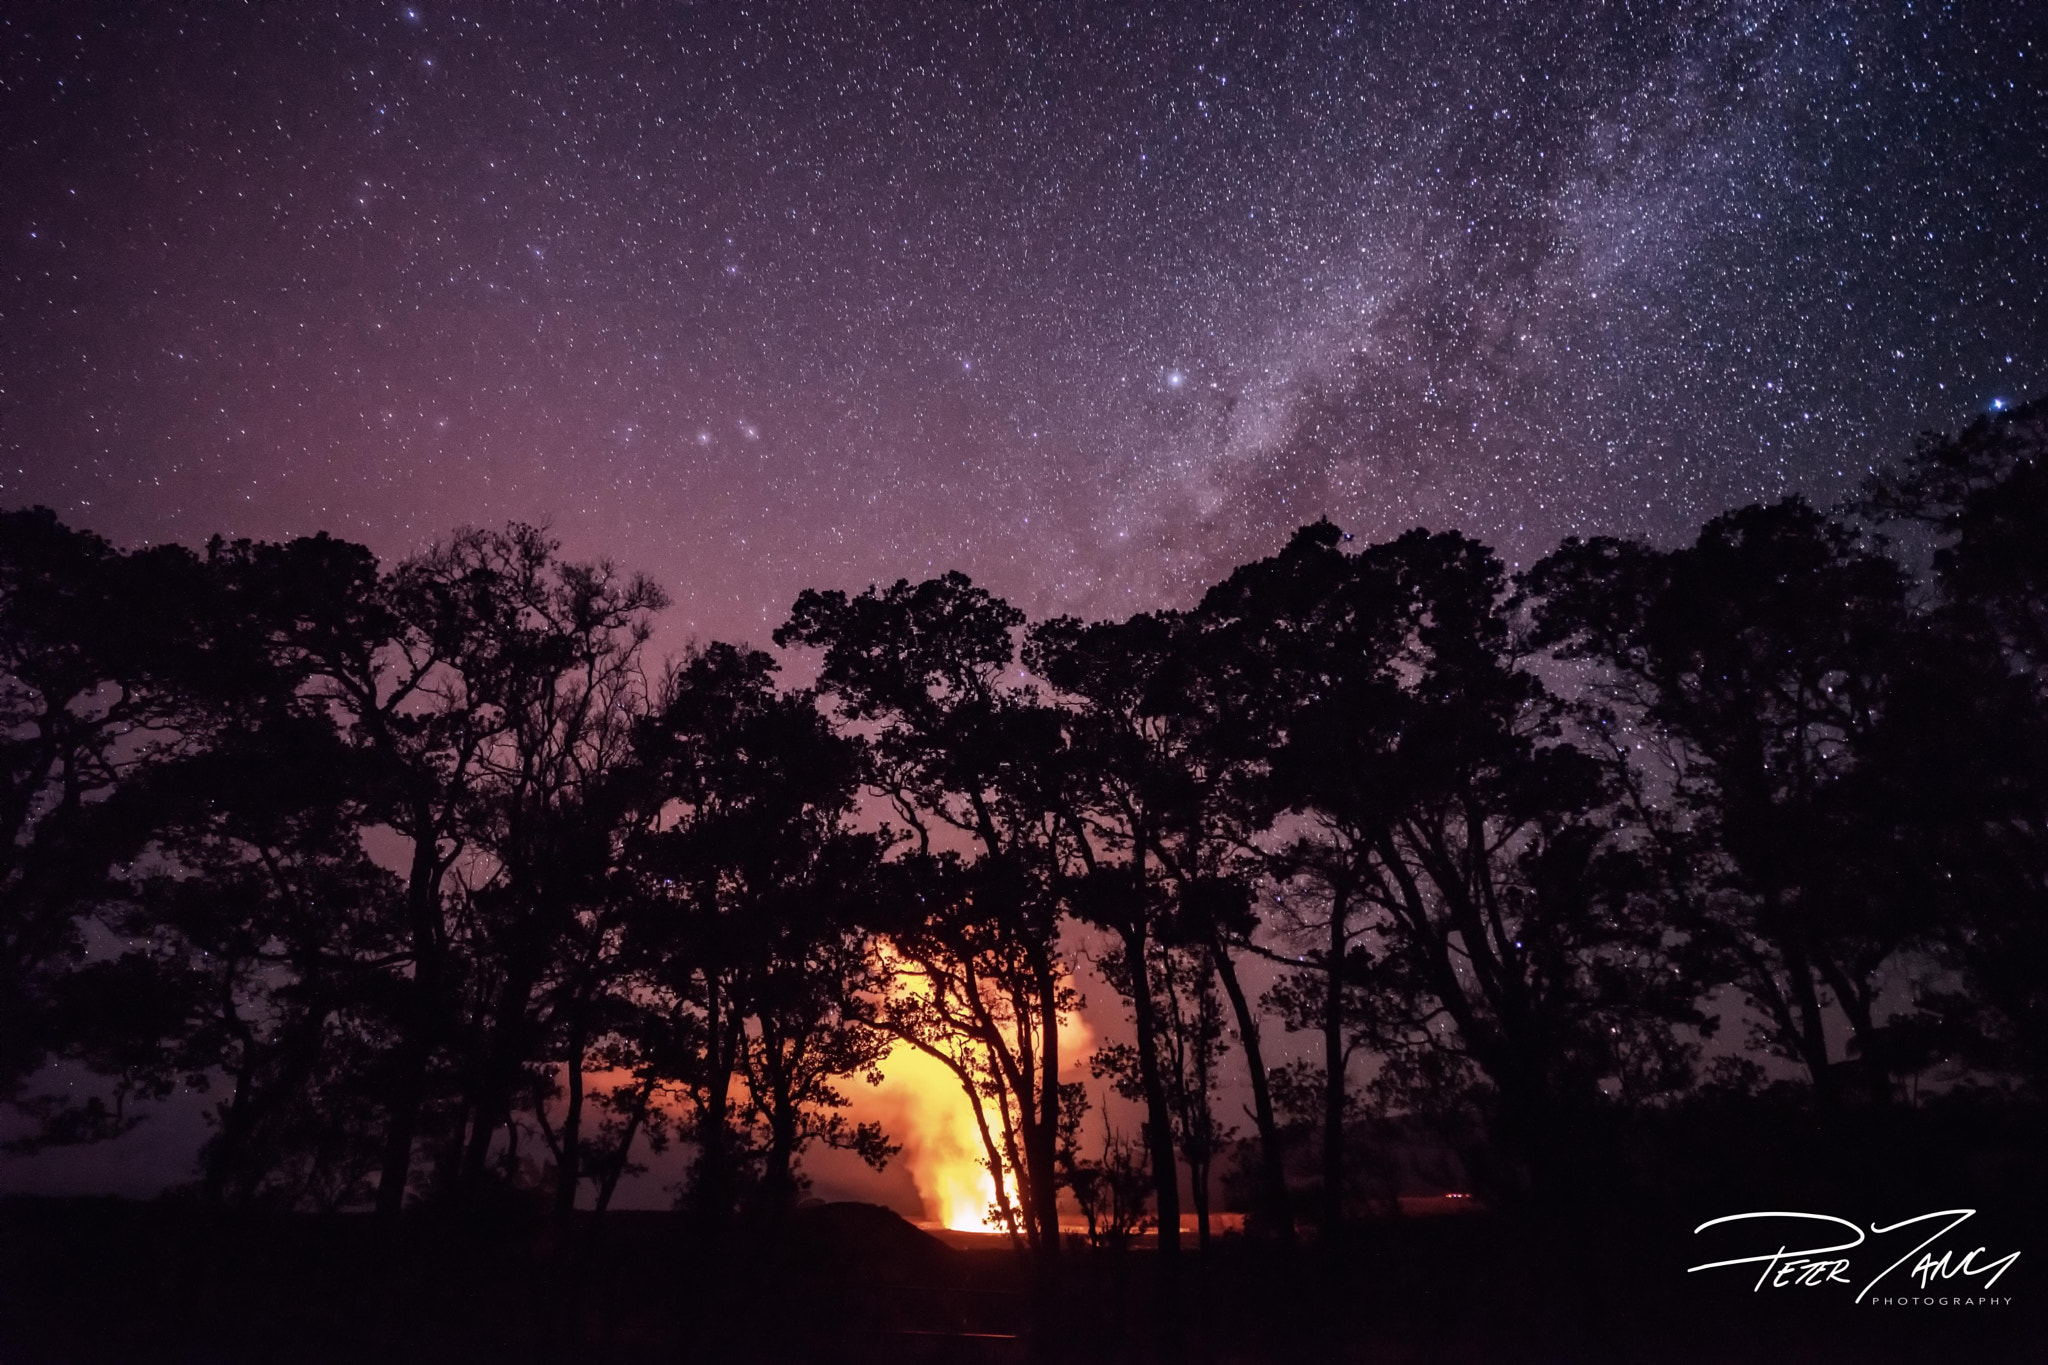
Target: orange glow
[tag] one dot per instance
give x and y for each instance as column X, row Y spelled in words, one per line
column 925, row 1110
column 920, row 1104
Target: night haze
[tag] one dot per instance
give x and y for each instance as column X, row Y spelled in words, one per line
column 994, row 681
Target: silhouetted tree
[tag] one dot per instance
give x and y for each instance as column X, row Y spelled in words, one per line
column 1301, row 646
column 814, row 1006
column 107, row 662
column 479, row 685
column 261, row 908
column 750, row 890
column 1191, row 1049
column 384, row 653
column 1112, row 1188
column 1320, row 911
column 403, row 865
column 1123, row 799
column 1961, row 754
column 539, row 924
column 963, row 759
column 1766, row 655
column 1469, row 865
column 1217, row 913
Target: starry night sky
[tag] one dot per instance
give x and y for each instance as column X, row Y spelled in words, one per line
column 1092, row 301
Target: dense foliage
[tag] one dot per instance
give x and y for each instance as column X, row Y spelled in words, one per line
column 442, row 893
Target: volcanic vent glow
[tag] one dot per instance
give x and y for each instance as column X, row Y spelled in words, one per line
column 929, row 1114
column 921, row 1105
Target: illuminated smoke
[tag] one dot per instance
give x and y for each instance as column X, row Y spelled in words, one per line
column 921, row 1105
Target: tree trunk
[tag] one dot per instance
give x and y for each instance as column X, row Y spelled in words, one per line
column 476, row 1152
column 616, row 1169
column 409, row 1074
column 507, row 1045
column 1333, row 1072
column 1813, row 1040
column 778, row 1176
column 1158, row 1115
column 569, row 1167
column 1279, row 1217
column 714, row 1181
column 401, row 1125
column 234, row 1132
column 1863, row 1033
column 1042, row 1139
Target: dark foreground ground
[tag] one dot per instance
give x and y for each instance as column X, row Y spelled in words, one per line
column 108, row 1280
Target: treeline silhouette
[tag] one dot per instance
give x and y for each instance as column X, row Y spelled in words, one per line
column 447, row 899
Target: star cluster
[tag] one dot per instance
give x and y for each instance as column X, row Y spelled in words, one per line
column 1092, row 301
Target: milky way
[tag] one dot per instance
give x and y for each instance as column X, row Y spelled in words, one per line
column 1091, row 301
